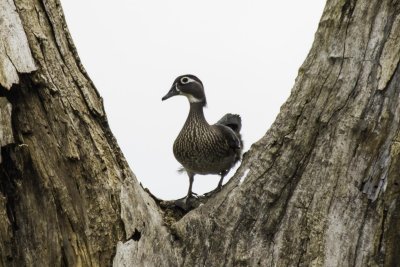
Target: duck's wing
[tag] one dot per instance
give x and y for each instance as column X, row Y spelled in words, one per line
column 232, row 137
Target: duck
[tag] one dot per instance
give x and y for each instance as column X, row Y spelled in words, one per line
column 203, row 148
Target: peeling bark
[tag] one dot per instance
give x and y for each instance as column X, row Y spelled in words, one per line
column 321, row 188
column 15, row 55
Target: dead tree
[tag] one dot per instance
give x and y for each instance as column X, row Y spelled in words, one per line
column 321, row 188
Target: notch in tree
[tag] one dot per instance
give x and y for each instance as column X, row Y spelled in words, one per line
column 321, row 188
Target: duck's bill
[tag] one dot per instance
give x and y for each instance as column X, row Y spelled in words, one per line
column 172, row 92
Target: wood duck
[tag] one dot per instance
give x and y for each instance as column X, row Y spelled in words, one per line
column 202, row 148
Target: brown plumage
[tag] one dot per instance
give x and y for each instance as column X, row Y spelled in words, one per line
column 202, row 148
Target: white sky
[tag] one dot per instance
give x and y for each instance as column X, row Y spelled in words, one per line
column 247, row 54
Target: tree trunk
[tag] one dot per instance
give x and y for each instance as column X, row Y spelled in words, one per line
column 321, row 188
column 61, row 169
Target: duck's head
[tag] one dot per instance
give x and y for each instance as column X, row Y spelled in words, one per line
column 190, row 86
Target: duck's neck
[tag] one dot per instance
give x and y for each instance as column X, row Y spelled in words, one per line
column 196, row 114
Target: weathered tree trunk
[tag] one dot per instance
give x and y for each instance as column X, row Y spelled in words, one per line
column 321, row 188
column 61, row 169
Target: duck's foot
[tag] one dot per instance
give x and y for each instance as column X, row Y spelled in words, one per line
column 213, row 192
column 189, row 202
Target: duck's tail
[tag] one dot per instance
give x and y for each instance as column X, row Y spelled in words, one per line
column 232, row 121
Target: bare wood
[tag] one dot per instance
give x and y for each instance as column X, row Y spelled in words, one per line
column 15, row 55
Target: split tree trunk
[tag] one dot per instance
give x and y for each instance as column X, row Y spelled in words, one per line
column 321, row 188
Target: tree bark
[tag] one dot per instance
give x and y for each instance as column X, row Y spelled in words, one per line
column 321, row 188
column 61, row 171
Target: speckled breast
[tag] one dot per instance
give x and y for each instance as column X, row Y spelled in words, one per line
column 202, row 152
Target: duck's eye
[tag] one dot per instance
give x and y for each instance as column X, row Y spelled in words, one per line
column 184, row 80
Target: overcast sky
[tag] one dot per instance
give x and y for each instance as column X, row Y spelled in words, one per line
column 247, row 53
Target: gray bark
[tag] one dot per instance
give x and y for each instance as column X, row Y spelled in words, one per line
column 321, row 188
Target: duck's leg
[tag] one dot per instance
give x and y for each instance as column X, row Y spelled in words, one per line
column 223, row 174
column 189, row 202
column 191, row 179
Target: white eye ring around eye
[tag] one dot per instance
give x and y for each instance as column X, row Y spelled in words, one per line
column 185, row 80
